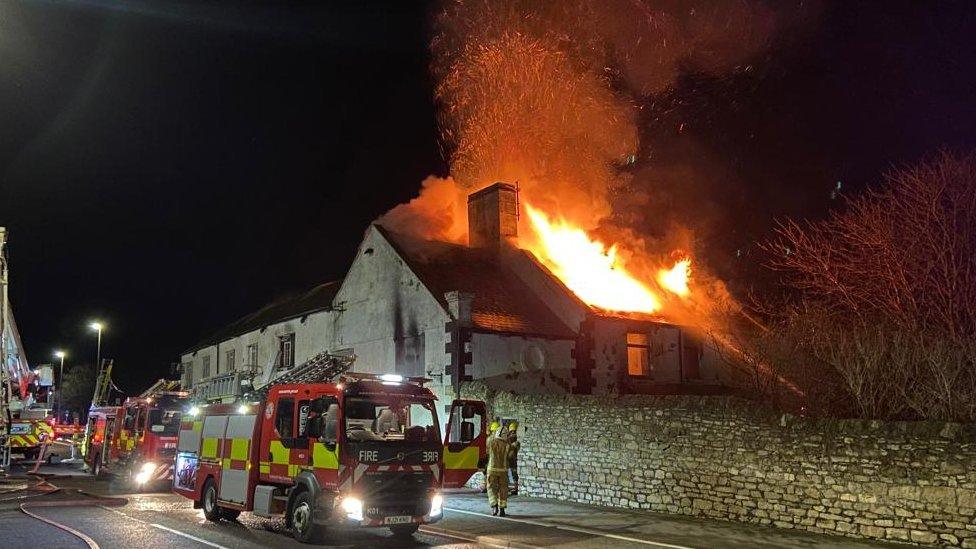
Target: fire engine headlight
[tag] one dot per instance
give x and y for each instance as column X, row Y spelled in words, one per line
column 148, row 467
column 436, row 505
column 353, row 507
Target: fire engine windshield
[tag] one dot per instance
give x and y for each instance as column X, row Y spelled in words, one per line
column 391, row 419
column 164, row 422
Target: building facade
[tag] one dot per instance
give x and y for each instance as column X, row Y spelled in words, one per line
column 441, row 310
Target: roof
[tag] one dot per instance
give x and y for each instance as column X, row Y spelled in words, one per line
column 502, row 302
column 314, row 300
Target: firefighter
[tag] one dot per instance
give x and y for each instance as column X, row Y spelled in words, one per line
column 483, row 465
column 513, row 448
column 497, row 469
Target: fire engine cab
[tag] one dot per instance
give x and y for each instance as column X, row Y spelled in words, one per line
column 137, row 439
column 359, row 450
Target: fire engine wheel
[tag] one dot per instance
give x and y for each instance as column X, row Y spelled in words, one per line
column 404, row 530
column 302, row 526
column 210, row 508
column 229, row 514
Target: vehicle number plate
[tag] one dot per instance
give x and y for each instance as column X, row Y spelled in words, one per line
column 401, row 519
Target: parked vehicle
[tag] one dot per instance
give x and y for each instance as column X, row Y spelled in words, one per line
column 350, row 449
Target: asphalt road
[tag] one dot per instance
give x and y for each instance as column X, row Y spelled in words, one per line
column 151, row 520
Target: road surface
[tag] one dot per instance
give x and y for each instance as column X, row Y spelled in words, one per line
column 154, row 520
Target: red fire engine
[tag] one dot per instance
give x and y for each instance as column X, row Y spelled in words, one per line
column 357, row 450
column 137, row 439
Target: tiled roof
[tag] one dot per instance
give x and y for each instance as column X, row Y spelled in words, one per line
column 502, row 302
column 314, row 300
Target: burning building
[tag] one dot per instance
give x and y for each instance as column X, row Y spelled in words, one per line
column 489, row 310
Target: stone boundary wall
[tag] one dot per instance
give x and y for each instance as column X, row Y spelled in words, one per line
column 728, row 458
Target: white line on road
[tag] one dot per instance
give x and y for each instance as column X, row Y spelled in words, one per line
column 576, row 529
column 188, row 536
column 168, row 529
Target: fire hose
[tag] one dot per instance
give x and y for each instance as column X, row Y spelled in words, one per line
column 50, row 489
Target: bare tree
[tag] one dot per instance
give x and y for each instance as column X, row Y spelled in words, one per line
column 884, row 292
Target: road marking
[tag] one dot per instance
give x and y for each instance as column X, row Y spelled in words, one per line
column 576, row 529
column 486, row 541
column 168, row 529
column 188, row 536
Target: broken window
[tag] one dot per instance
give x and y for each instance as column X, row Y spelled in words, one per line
column 231, row 356
column 638, row 354
column 206, row 367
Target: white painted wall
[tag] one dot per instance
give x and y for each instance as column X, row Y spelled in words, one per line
column 312, row 336
column 387, row 317
column 523, row 364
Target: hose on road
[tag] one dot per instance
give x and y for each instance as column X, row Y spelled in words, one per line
column 86, row 502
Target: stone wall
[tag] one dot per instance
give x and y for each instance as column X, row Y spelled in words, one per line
column 727, row 458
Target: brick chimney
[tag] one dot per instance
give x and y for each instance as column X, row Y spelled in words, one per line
column 492, row 215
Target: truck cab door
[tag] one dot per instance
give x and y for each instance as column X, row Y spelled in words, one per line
column 465, row 443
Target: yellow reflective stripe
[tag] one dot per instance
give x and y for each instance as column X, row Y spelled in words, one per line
column 293, row 470
column 226, row 463
column 264, row 467
column 197, row 426
column 209, row 448
column 465, row 459
column 279, row 454
column 239, row 448
column 323, row 458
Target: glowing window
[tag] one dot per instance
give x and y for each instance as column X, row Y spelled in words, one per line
column 638, row 354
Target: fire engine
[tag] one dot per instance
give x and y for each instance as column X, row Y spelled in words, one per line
column 138, row 438
column 324, row 447
column 27, row 435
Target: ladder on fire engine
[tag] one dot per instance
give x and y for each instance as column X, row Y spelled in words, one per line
column 322, row 367
column 161, row 386
column 103, row 383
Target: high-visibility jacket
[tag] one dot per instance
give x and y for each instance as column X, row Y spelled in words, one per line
column 498, row 449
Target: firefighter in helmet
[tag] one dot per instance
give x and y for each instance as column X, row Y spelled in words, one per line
column 497, row 469
column 513, row 448
column 483, row 464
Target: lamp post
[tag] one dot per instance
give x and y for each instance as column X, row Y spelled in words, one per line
column 61, row 355
column 97, row 326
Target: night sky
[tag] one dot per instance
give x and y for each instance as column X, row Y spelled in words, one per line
column 168, row 167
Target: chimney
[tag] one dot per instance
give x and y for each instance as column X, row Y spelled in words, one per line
column 492, row 215
column 459, row 305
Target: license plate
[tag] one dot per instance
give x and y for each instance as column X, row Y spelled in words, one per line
column 402, row 519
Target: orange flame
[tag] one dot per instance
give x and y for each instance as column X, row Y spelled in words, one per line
column 675, row 279
column 594, row 271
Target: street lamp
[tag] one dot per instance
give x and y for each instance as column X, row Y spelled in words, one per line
column 61, row 355
column 97, row 326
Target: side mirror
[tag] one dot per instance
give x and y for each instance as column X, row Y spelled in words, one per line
column 467, row 431
column 467, row 411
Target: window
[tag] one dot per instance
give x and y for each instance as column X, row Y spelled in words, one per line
column 252, row 355
column 206, row 367
column 188, row 372
column 286, row 351
column 284, row 417
column 638, row 354
column 390, row 418
column 230, row 356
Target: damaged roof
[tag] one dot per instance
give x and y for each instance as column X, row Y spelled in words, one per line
column 502, row 302
column 314, row 300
